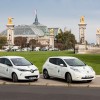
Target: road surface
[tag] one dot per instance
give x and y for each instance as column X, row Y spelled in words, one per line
column 16, row 92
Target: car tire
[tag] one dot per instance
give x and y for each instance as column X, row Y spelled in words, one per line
column 14, row 77
column 45, row 74
column 68, row 78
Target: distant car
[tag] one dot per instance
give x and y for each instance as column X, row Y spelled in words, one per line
column 68, row 68
column 26, row 49
column 18, row 68
column 7, row 49
column 44, row 49
column 37, row 49
column 53, row 49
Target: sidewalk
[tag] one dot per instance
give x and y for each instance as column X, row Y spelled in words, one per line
column 53, row 82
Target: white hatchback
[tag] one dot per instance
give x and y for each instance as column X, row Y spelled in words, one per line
column 18, row 68
column 68, row 68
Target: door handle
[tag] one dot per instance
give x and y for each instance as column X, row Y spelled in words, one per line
column 58, row 71
column 7, row 69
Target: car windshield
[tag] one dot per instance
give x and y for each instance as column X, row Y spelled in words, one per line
column 20, row 62
column 74, row 62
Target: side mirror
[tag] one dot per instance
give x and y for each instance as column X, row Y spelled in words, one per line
column 62, row 65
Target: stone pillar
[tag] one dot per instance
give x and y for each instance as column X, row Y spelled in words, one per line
column 51, row 45
column 98, row 37
column 82, row 46
column 10, row 32
column 82, row 27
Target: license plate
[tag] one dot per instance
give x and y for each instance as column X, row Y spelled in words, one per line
column 88, row 76
column 31, row 78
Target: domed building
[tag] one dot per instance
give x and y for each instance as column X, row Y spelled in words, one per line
column 35, row 31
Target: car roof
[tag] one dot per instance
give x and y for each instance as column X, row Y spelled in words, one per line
column 9, row 57
column 63, row 57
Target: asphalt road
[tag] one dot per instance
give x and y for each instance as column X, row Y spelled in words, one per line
column 15, row 92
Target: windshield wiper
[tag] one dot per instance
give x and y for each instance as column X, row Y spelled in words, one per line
column 72, row 65
column 79, row 65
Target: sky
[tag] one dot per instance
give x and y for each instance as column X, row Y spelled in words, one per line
column 53, row 13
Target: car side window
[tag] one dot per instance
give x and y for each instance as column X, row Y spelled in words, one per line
column 61, row 62
column 7, row 62
column 2, row 60
column 53, row 61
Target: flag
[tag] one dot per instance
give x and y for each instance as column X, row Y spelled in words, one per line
column 35, row 11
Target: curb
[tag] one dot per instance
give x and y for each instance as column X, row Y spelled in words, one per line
column 97, row 75
column 54, row 85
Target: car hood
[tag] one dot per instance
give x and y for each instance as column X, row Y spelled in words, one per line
column 84, row 69
column 31, row 67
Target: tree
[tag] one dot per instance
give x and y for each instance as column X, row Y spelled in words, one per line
column 67, row 39
column 20, row 41
column 32, row 43
column 3, row 41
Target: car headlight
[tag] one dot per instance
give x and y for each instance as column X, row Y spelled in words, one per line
column 32, row 71
column 74, row 69
column 91, row 69
column 22, row 69
column 28, row 70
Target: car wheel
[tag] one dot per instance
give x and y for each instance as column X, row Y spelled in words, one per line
column 45, row 74
column 14, row 77
column 68, row 78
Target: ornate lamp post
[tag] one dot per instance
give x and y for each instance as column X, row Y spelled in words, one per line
column 10, row 33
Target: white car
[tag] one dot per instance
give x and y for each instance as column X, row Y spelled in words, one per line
column 18, row 68
column 68, row 68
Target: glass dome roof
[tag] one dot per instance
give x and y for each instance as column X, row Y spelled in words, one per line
column 36, row 29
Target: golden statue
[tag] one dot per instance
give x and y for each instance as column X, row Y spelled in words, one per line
column 10, row 20
column 52, row 31
column 82, row 20
column 98, row 31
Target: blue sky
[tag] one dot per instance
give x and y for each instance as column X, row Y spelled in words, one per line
column 53, row 13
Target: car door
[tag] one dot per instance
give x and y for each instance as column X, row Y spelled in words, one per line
column 61, row 68
column 1, row 67
column 6, row 67
column 52, row 66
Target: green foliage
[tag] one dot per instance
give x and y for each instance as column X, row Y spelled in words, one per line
column 20, row 41
column 3, row 41
column 38, row 58
column 66, row 40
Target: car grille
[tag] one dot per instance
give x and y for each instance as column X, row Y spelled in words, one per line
column 31, row 77
column 87, row 77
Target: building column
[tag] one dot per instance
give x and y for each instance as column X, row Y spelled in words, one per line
column 82, row 27
column 98, row 37
column 10, row 32
column 51, row 45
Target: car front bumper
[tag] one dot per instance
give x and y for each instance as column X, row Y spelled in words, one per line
column 28, row 75
column 83, row 77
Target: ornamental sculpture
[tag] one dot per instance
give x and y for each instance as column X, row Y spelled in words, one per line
column 10, row 20
column 82, row 20
column 51, row 31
